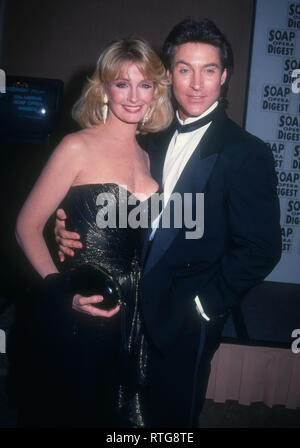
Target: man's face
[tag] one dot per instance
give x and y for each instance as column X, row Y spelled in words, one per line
column 197, row 76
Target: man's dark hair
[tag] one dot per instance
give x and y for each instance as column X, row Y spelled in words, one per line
column 203, row 31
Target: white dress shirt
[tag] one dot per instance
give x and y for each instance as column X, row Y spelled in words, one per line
column 180, row 149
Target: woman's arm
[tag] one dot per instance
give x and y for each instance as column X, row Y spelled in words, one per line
column 51, row 187
column 53, row 184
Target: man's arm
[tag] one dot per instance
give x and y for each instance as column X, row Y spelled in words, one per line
column 66, row 240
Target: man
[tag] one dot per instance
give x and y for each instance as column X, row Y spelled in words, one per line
column 241, row 242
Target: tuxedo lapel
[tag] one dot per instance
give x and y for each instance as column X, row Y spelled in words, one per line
column 157, row 148
column 199, row 167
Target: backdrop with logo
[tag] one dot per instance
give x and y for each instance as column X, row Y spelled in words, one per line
column 273, row 114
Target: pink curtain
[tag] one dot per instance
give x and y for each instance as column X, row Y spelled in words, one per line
column 250, row 374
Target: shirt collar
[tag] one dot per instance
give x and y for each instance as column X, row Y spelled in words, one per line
column 192, row 119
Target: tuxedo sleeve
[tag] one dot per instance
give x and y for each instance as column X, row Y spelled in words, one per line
column 254, row 221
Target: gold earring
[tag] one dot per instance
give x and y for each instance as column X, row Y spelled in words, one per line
column 146, row 117
column 105, row 108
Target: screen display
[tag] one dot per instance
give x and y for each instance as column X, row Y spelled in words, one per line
column 30, row 108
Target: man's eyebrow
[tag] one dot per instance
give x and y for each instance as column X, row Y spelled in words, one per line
column 181, row 61
column 210, row 64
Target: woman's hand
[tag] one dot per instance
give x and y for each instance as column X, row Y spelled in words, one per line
column 85, row 305
column 65, row 239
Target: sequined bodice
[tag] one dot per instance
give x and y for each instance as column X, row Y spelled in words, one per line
column 99, row 212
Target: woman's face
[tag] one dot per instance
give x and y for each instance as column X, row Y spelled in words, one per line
column 130, row 96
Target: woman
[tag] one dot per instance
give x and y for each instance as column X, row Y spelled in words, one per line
column 78, row 383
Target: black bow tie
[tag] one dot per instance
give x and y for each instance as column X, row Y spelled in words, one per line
column 182, row 128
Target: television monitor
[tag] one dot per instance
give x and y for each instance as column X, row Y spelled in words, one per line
column 30, row 108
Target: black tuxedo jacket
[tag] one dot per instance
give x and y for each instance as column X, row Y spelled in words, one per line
column 241, row 242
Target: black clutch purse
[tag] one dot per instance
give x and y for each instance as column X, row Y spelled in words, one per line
column 88, row 280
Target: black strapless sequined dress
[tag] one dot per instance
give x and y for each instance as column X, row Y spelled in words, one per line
column 118, row 251
column 98, row 370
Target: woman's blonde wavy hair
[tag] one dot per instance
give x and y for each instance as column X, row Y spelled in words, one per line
column 88, row 109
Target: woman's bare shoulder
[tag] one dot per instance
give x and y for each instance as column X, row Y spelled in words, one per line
column 74, row 145
column 76, row 141
column 82, row 141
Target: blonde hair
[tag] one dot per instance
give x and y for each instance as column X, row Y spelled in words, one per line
column 88, row 109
